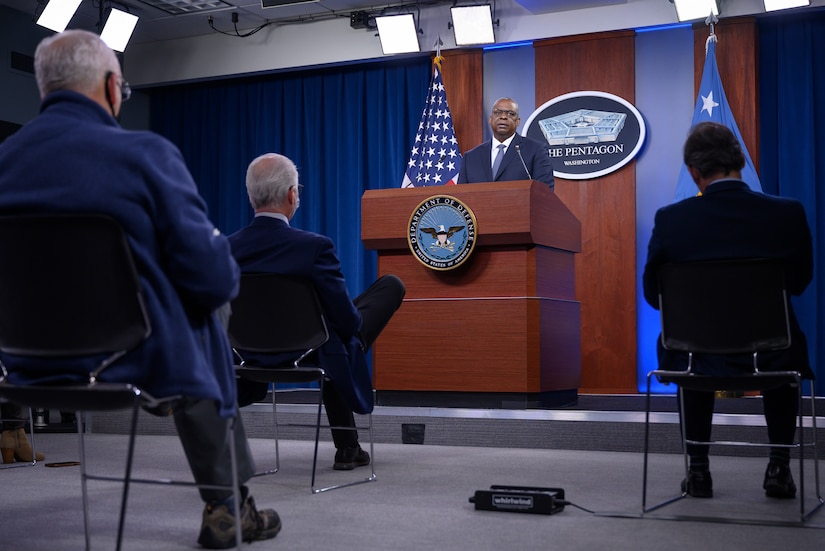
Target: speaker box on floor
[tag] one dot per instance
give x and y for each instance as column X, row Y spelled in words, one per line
column 520, row 499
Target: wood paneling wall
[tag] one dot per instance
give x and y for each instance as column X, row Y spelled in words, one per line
column 463, row 73
column 605, row 206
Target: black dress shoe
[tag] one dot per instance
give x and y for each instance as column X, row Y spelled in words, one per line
column 779, row 481
column 346, row 459
column 698, row 484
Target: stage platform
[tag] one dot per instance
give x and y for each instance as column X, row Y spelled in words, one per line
column 594, row 422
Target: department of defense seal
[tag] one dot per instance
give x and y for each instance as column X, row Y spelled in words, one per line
column 442, row 232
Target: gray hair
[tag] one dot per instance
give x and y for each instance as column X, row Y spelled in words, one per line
column 72, row 60
column 268, row 180
column 514, row 102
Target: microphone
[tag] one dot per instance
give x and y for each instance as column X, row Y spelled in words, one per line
column 518, row 150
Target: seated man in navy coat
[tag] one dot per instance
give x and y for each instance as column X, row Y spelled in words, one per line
column 75, row 158
column 730, row 221
column 270, row 245
column 508, row 156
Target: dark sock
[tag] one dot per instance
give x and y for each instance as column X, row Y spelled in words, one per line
column 698, row 464
column 781, row 456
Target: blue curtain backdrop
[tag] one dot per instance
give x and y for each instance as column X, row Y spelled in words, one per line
column 792, row 144
column 347, row 128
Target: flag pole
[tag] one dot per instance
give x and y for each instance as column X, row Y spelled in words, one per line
column 438, row 57
column 711, row 21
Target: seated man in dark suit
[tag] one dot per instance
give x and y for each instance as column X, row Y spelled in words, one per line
column 730, row 221
column 270, row 245
column 508, row 156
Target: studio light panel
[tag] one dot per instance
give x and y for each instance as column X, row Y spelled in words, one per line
column 57, row 14
column 473, row 25
column 773, row 5
column 688, row 10
column 398, row 34
column 118, row 29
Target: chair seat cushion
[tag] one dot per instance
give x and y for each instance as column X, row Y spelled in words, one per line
column 86, row 397
column 280, row 375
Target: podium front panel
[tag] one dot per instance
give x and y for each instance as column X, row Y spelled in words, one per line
column 498, row 345
column 506, row 321
column 491, row 272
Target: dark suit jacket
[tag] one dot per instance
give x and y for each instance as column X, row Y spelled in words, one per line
column 731, row 221
column 476, row 166
column 269, row 245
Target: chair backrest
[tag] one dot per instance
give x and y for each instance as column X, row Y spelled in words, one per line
column 68, row 287
column 275, row 314
column 724, row 306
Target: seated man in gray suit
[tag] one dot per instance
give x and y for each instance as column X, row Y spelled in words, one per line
column 508, row 156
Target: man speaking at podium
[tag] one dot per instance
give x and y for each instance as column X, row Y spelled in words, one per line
column 508, row 156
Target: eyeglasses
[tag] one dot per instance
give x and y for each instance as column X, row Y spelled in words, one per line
column 506, row 112
column 299, row 187
column 125, row 89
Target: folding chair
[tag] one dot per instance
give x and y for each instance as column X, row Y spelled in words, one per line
column 735, row 306
column 278, row 315
column 69, row 289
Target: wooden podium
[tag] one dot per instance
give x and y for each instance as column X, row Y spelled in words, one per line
column 503, row 330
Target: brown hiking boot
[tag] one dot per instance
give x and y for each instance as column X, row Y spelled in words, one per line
column 218, row 526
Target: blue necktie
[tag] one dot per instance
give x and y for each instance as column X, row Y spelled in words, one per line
column 497, row 160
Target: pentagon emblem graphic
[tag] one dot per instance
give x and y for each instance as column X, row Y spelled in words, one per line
column 442, row 232
column 589, row 133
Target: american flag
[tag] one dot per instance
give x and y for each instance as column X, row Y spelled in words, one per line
column 434, row 159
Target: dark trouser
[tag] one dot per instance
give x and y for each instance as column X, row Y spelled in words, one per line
column 377, row 305
column 203, row 434
column 339, row 415
column 780, row 408
column 10, row 412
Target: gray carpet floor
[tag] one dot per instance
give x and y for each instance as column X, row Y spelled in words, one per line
column 419, row 501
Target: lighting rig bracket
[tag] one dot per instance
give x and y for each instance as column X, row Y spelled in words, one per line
column 362, row 20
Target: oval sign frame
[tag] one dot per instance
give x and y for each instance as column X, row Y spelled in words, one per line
column 595, row 148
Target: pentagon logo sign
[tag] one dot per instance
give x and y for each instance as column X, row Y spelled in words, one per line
column 442, row 232
column 590, row 134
